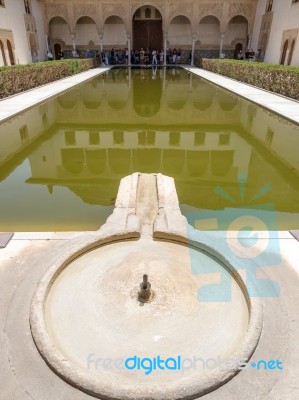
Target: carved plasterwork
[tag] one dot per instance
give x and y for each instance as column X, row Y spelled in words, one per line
column 84, row 10
column 6, row 34
column 118, row 9
column 215, row 9
column 185, row 9
column 53, row 10
column 244, row 9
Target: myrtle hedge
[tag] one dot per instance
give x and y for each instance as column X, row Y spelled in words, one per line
column 18, row 78
column 275, row 78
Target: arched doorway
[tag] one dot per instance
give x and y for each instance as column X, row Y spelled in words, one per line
column 147, row 28
column 284, row 52
column 3, row 53
column 10, row 53
column 57, row 50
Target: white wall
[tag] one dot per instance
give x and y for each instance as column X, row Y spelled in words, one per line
column 114, row 35
column 260, row 11
column 179, row 34
column 285, row 17
column 209, row 33
column 37, row 13
column 12, row 18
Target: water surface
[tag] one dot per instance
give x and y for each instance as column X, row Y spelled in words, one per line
column 61, row 162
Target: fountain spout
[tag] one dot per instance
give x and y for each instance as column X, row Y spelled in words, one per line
column 145, row 295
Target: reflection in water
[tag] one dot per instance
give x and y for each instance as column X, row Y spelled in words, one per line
column 146, row 102
column 65, row 158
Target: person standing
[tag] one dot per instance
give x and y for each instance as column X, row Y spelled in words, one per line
column 251, row 55
column 174, row 55
column 147, row 56
column 50, row 55
column 167, row 56
column 154, row 59
column 112, row 56
column 179, row 55
column 141, row 55
column 60, row 55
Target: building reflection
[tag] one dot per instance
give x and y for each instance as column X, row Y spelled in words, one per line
column 87, row 139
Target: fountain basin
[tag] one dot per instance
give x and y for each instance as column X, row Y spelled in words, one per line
column 90, row 327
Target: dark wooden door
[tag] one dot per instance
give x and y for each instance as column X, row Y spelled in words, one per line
column 147, row 34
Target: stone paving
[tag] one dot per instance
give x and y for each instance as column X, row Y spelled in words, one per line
column 281, row 105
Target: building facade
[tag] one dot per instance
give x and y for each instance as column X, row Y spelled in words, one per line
column 29, row 28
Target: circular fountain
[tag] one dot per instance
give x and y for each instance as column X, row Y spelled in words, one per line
column 122, row 316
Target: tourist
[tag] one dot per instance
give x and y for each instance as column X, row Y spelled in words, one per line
column 240, row 55
column 251, row 55
column 132, row 57
column 98, row 58
column 137, row 59
column 50, row 55
column 141, row 56
column 179, row 55
column 60, row 55
column 147, row 56
column 168, row 56
column 106, row 58
column 174, row 55
column 75, row 53
column 112, row 56
column 88, row 54
column 154, row 59
column 126, row 56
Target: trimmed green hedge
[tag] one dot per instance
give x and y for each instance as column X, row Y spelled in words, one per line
column 275, row 78
column 18, row 78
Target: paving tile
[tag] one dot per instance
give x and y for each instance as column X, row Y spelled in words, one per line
column 295, row 234
column 5, row 238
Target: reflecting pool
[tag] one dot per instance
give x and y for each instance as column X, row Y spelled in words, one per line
column 61, row 162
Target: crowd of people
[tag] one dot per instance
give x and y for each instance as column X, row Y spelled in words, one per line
column 249, row 55
column 121, row 56
column 141, row 57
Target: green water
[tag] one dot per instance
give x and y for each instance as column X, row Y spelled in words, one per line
column 61, row 162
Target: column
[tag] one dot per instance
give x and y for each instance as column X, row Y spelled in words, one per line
column 129, row 49
column 47, row 42
column 192, row 51
column 73, row 42
column 249, row 37
column 165, row 48
column 221, row 45
column 101, row 43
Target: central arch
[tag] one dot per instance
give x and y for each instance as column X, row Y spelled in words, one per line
column 147, row 28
